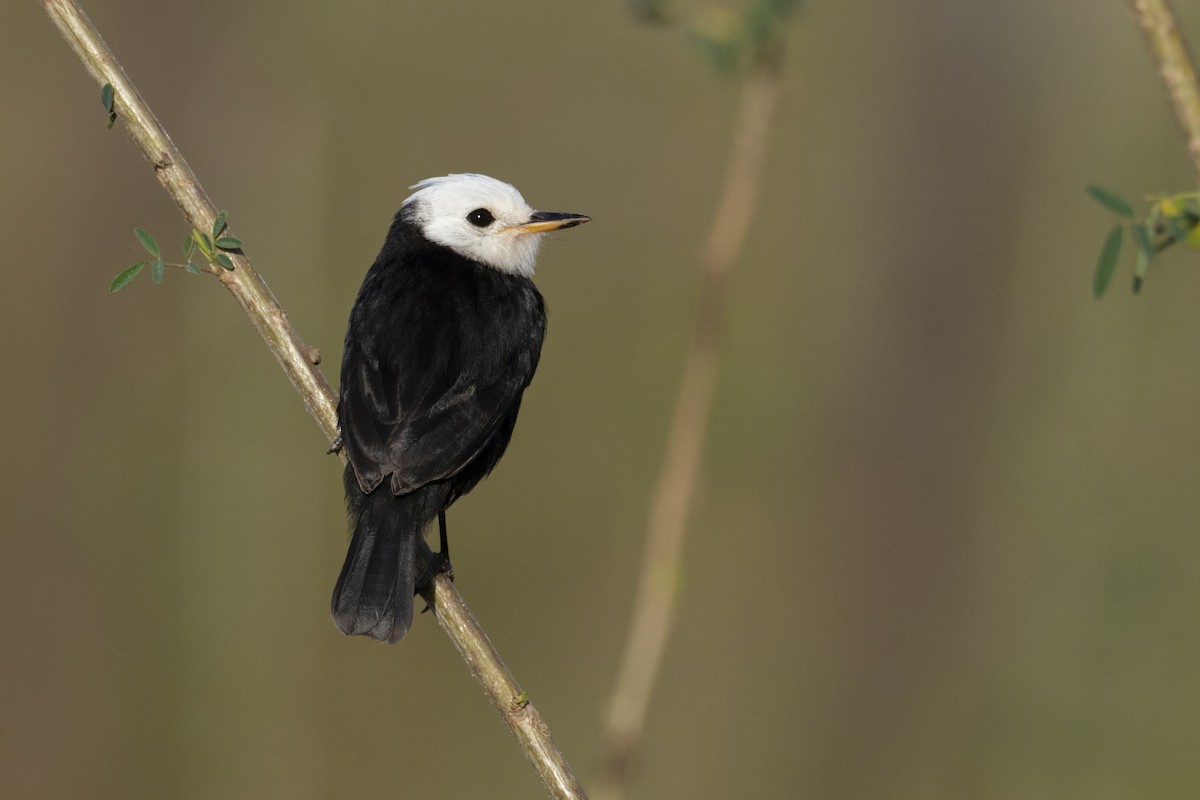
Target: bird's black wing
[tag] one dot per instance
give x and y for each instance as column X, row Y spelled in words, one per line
column 431, row 382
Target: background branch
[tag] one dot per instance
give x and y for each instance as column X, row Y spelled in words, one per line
column 1175, row 66
column 299, row 363
column 675, row 488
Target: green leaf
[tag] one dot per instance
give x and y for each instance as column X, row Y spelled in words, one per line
column 225, row 261
column 147, row 242
column 229, row 243
column 189, row 244
column 125, row 277
column 203, row 243
column 192, row 267
column 106, row 97
column 1110, row 201
column 219, row 224
column 1107, row 263
column 157, row 270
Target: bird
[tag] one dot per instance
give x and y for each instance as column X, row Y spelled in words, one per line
column 443, row 338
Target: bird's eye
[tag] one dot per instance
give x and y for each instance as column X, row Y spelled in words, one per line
column 480, row 218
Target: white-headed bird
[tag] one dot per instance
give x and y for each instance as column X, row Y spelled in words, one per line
column 443, row 339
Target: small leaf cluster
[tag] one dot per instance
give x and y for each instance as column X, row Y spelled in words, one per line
column 209, row 247
column 729, row 38
column 1170, row 219
column 106, row 99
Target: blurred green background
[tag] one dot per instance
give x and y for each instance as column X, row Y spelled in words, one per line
column 947, row 540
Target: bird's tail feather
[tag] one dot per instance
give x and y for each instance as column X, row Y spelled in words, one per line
column 374, row 593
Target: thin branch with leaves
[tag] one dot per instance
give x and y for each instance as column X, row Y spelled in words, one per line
column 1169, row 218
column 123, row 103
column 675, row 488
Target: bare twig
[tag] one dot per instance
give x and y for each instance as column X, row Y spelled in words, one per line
column 297, row 361
column 1175, row 65
column 654, row 607
column 522, row 719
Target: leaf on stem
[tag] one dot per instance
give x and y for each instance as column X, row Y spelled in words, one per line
column 1107, row 263
column 124, row 277
column 157, row 270
column 219, row 224
column 1110, row 201
column 147, row 242
column 192, row 267
column 106, row 98
column 225, row 261
column 229, row 243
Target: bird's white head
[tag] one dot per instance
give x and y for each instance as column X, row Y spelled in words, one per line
column 483, row 219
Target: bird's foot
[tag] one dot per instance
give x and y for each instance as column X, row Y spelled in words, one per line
column 434, row 564
column 335, row 446
column 437, row 564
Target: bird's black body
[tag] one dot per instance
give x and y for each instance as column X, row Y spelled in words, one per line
column 438, row 352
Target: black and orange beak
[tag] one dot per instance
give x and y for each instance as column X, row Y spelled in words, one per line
column 546, row 221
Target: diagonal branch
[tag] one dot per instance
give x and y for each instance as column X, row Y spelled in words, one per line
column 180, row 182
column 654, row 606
column 299, row 362
column 1175, row 66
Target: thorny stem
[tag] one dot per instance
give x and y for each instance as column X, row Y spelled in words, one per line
column 299, row 363
column 654, row 606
